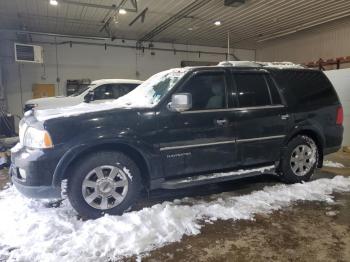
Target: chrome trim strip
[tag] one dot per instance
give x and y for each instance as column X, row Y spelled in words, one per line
column 232, row 109
column 197, row 145
column 259, row 138
column 221, row 143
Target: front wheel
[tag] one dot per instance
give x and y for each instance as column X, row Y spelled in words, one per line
column 299, row 160
column 103, row 183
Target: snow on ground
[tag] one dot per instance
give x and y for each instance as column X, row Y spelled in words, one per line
column 239, row 172
column 30, row 231
column 328, row 163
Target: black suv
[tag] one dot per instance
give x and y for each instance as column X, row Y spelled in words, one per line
column 182, row 127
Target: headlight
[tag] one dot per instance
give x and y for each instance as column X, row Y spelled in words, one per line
column 36, row 138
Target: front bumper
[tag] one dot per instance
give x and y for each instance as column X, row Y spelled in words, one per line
column 31, row 172
column 36, row 191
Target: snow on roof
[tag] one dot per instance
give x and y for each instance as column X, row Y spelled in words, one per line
column 281, row 65
column 278, row 65
column 116, row 81
column 31, row 230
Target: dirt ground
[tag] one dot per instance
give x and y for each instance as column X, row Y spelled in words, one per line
column 306, row 231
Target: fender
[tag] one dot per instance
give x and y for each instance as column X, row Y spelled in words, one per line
column 73, row 153
column 307, row 125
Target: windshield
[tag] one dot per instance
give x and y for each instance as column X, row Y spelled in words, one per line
column 150, row 92
column 82, row 90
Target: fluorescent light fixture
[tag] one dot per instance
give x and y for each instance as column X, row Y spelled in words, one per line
column 53, row 2
column 217, row 23
column 122, row 11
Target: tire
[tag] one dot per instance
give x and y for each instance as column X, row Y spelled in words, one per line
column 105, row 182
column 299, row 160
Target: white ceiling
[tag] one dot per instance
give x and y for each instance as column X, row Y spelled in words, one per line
column 254, row 21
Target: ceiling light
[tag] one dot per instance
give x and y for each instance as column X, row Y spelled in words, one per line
column 190, row 28
column 53, row 2
column 122, row 11
column 217, row 23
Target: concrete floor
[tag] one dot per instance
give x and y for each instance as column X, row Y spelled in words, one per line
column 306, row 231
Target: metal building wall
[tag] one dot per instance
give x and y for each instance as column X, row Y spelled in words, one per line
column 326, row 41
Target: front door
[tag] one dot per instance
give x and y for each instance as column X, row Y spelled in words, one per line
column 262, row 119
column 203, row 138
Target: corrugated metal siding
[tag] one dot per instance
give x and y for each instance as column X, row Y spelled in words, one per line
column 327, row 41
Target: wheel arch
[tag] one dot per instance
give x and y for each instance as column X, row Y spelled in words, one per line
column 70, row 158
column 314, row 135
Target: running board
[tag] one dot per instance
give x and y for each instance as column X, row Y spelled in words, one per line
column 215, row 177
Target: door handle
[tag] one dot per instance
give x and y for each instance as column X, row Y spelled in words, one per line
column 285, row 116
column 221, row 122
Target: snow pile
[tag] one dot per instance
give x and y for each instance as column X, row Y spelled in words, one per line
column 328, row 163
column 29, row 231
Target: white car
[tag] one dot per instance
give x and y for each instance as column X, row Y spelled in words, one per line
column 103, row 90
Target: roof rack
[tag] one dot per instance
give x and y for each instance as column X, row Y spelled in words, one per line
column 279, row 65
column 239, row 63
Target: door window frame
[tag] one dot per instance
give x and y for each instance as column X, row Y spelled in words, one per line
column 227, row 82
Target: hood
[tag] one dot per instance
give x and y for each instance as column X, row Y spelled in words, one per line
column 79, row 109
column 44, row 99
column 53, row 102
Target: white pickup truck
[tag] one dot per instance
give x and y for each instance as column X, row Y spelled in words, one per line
column 103, row 90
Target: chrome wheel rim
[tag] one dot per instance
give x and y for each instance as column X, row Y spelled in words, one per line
column 302, row 159
column 105, row 187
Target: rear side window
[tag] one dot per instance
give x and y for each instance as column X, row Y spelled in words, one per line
column 252, row 90
column 305, row 87
column 275, row 96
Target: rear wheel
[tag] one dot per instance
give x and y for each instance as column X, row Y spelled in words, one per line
column 103, row 183
column 299, row 160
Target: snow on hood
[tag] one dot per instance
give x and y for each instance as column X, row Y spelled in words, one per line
column 30, row 231
column 82, row 108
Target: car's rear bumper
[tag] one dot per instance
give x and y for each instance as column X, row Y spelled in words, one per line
column 330, row 150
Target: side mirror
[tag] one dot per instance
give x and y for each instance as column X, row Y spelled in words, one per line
column 89, row 96
column 180, row 102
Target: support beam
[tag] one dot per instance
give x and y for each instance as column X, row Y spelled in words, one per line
column 174, row 19
column 107, row 7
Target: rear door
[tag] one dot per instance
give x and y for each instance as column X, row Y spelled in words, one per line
column 201, row 139
column 262, row 118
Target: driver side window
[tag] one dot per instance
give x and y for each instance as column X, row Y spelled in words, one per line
column 208, row 90
column 103, row 92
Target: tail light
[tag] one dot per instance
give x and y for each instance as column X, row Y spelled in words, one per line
column 340, row 116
